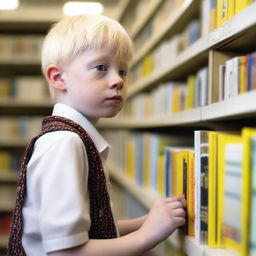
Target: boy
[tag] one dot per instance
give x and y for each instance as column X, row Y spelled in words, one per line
column 67, row 210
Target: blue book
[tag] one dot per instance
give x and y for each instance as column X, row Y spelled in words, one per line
column 250, row 71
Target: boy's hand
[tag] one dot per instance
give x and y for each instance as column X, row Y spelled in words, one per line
column 164, row 217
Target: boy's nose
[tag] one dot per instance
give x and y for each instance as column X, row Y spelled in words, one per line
column 117, row 82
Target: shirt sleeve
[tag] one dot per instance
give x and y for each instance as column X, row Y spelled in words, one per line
column 58, row 175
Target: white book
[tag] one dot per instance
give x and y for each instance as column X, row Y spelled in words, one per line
column 205, row 17
column 202, row 87
column 235, row 82
column 228, row 79
column 222, row 71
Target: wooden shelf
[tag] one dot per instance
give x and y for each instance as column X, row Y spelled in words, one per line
column 8, row 176
column 147, row 197
column 13, row 143
column 182, row 118
column 239, row 107
column 28, row 108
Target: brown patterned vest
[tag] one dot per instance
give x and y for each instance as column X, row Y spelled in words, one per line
column 102, row 222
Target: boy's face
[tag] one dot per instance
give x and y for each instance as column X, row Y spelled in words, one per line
column 95, row 84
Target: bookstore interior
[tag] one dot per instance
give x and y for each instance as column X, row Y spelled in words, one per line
column 188, row 125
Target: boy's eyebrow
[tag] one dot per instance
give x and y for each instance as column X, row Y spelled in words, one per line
column 105, row 58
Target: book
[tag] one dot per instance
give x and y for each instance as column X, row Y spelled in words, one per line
column 212, row 190
column 243, row 79
column 232, row 201
column 202, row 87
column 222, row 12
column 201, row 185
column 247, row 135
column 213, row 13
column 252, row 231
column 241, row 4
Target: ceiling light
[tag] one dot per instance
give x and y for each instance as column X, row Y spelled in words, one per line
column 76, row 8
column 9, row 4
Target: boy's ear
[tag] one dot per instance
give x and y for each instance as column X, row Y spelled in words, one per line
column 54, row 76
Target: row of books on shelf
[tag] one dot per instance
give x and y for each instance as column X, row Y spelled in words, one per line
column 170, row 97
column 24, row 88
column 212, row 13
column 237, row 75
column 217, row 12
column 20, row 46
column 217, row 176
column 19, row 128
column 9, row 161
column 161, row 57
column 164, row 14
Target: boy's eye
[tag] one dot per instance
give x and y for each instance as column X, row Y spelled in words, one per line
column 123, row 73
column 101, row 68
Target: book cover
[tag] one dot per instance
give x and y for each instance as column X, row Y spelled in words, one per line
column 247, row 135
column 190, row 95
column 201, row 185
column 232, row 201
column 222, row 12
column 191, row 194
column 212, row 189
column 252, row 231
column 243, row 83
column 241, row 4
column 213, row 14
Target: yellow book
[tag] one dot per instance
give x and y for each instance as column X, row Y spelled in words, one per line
column 146, row 162
column 175, row 176
column 191, row 194
column 241, row 4
column 5, row 161
column 213, row 15
column 130, row 157
column 243, row 74
column 160, row 174
column 231, row 9
column 176, row 104
column 222, row 12
column 212, row 189
column 147, row 65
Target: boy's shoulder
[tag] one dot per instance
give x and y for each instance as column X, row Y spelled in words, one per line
column 59, row 139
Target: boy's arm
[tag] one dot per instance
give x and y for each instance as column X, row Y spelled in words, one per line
column 125, row 227
column 164, row 217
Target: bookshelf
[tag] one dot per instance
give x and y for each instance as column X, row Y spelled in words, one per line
column 236, row 37
column 20, row 112
column 146, row 197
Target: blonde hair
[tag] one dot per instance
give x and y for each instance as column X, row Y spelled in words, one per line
column 74, row 34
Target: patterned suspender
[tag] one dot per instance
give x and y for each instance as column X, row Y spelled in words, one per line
column 102, row 221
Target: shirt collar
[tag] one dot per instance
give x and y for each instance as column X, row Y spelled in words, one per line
column 66, row 111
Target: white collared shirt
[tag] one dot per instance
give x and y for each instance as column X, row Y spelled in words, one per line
column 56, row 210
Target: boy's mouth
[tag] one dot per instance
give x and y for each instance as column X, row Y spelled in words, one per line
column 116, row 98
